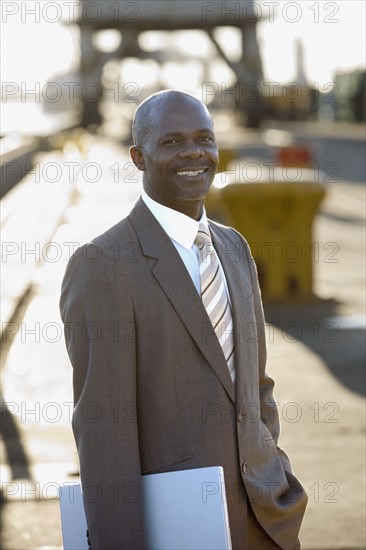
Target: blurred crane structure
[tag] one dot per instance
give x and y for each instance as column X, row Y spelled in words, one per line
column 131, row 18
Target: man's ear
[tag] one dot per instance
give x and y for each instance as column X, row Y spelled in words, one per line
column 137, row 157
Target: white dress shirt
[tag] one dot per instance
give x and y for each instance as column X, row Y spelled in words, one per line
column 182, row 231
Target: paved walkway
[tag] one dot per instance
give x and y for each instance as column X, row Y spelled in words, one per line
column 315, row 355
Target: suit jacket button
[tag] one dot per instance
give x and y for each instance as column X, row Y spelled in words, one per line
column 244, row 468
column 240, row 416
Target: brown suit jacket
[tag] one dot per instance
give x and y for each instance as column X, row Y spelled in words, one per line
column 152, row 389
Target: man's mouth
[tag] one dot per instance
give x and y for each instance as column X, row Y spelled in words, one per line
column 191, row 173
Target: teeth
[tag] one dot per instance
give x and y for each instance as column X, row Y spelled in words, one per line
column 189, row 173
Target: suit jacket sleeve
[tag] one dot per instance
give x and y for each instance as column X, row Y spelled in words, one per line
column 268, row 412
column 97, row 310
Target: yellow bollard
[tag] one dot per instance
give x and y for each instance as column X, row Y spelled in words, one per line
column 276, row 218
column 226, row 157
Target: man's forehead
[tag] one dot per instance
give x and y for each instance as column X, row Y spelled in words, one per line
column 188, row 113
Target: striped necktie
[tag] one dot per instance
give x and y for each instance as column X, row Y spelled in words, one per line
column 214, row 295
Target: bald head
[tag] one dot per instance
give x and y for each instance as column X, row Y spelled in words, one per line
column 143, row 120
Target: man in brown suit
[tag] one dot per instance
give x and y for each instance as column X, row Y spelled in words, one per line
column 153, row 391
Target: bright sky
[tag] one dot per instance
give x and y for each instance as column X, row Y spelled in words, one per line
column 332, row 34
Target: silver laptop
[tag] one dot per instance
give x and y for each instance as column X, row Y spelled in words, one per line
column 184, row 509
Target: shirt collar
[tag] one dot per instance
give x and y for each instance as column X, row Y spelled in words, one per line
column 179, row 227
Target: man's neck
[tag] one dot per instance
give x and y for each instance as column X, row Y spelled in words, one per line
column 193, row 209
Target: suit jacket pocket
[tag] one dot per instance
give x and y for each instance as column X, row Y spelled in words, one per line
column 178, row 464
column 264, row 430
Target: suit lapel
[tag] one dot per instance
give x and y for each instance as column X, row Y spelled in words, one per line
column 170, row 272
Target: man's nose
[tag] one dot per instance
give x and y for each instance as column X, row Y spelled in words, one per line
column 192, row 151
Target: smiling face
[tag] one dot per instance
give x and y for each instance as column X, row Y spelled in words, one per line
column 179, row 156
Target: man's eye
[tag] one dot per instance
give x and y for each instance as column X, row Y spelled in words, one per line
column 206, row 138
column 170, row 141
